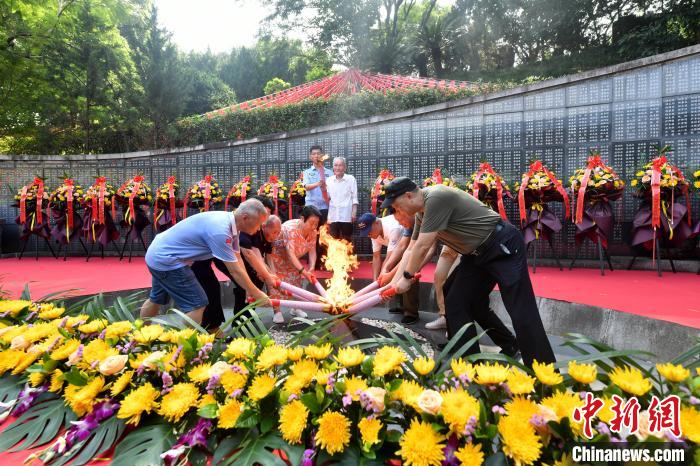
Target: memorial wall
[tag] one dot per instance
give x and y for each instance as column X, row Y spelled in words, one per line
column 626, row 111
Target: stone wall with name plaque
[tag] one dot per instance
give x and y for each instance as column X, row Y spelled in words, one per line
column 626, row 111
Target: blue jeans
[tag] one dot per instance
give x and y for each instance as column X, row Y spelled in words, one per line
column 181, row 285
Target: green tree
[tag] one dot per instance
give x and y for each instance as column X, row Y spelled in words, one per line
column 276, row 85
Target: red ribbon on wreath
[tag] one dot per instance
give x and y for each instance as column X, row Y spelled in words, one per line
column 207, row 192
column 275, row 190
column 171, row 199
column 39, row 198
column 593, row 162
column 23, row 205
column 69, row 199
column 383, row 176
column 437, row 176
column 535, row 167
column 656, row 166
column 138, row 179
column 485, row 167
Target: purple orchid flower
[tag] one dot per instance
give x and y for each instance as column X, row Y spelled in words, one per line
column 26, row 398
column 307, row 459
column 449, row 451
column 195, row 437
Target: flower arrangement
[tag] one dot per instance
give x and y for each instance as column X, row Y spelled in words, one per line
column 438, row 178
column 659, row 182
column 275, row 189
column 134, row 192
column 204, row 195
column 99, row 191
column 696, row 181
column 239, row 192
column 378, row 193
column 489, row 187
column 538, row 186
column 65, row 201
column 297, row 194
column 30, row 200
column 670, row 178
column 166, row 203
column 97, row 224
column 249, row 396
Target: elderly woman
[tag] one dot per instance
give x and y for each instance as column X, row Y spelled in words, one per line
column 297, row 239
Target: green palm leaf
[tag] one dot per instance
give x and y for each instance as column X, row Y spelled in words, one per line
column 144, row 446
column 38, row 426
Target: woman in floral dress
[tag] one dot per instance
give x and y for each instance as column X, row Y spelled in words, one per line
column 297, row 239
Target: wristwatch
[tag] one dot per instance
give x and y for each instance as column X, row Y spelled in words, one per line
column 408, row 276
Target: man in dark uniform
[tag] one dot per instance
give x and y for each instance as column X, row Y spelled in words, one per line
column 493, row 253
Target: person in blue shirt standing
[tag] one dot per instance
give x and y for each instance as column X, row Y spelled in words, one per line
column 316, row 189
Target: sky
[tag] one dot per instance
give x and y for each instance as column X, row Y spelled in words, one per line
column 216, row 24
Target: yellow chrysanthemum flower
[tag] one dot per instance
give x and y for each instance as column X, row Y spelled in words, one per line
column 423, row 365
column 271, row 356
column 563, row 404
column 387, row 359
column 319, row 352
column 65, row 350
column 81, row 399
column 118, row 329
column 353, row 385
column 35, row 378
column 547, row 374
column 206, row 399
column 421, row 445
column 690, row 423
column 49, row 313
column 333, row 433
column 459, row 367
column 93, row 326
column 121, row 383
column 232, row 381
column 296, row 353
column 369, row 430
column 491, row 374
column 9, row 359
column 673, row 373
column 97, row 350
column 178, row 401
column 408, row 393
column 56, row 381
column 293, row 417
column 631, row 380
column 519, row 382
column 323, row 375
column 302, row 374
column 583, row 373
column 147, row 334
column 200, row 373
column 470, row 454
column 520, row 441
column 229, row 413
column 350, row 356
column 14, row 306
column 142, row 400
column 261, row 386
column 521, row 408
column 457, row 408
column 27, row 360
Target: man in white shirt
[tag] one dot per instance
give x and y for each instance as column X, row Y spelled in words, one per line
column 342, row 209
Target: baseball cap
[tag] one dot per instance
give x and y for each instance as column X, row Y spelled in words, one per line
column 365, row 222
column 398, row 186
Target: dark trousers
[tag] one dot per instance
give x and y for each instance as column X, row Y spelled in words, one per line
column 409, row 301
column 320, row 250
column 504, row 262
column 341, row 230
column 214, row 313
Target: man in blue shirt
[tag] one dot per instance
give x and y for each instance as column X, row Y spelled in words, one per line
column 315, row 185
column 200, row 237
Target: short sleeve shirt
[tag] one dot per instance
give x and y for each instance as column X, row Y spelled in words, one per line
column 314, row 196
column 391, row 234
column 199, row 237
column 461, row 221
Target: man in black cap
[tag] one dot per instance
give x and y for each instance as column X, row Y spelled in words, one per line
column 493, row 252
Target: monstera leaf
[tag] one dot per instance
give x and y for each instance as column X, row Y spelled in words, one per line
column 100, row 440
column 38, row 426
column 258, row 450
column 10, row 386
column 144, row 445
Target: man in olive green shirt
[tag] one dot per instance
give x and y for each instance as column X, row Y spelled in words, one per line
column 493, row 252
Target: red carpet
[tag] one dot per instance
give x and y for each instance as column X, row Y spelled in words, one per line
column 675, row 298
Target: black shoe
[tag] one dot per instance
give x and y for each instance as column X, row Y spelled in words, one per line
column 408, row 320
column 396, row 310
column 441, row 346
column 512, row 352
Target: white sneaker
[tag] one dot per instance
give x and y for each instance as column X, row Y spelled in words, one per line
column 298, row 313
column 278, row 318
column 437, row 324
